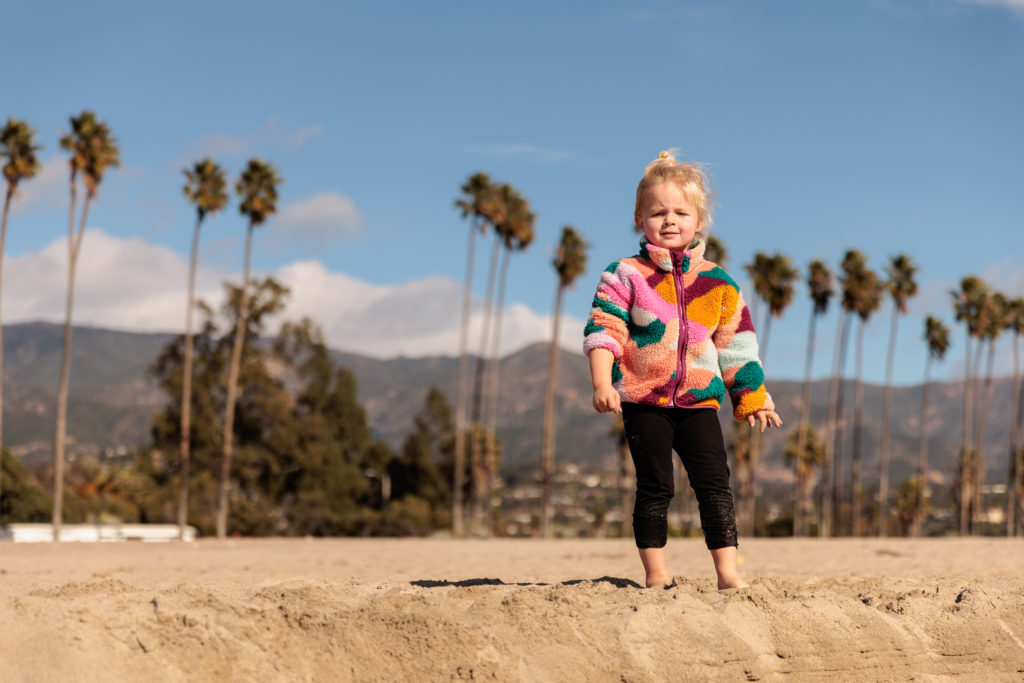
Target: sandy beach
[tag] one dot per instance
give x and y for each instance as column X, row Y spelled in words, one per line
column 509, row 610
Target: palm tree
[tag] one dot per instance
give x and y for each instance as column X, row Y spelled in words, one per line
column 772, row 277
column 853, row 262
column 715, row 251
column 517, row 234
column 995, row 321
column 968, row 307
column 257, row 188
column 867, row 291
column 1014, row 322
column 496, row 204
column 472, row 204
column 803, row 463
column 570, row 262
column 18, row 148
column 205, row 187
column 93, row 150
column 819, row 285
column 901, row 286
column 936, row 335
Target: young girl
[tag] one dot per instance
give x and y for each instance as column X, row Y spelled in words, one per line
column 668, row 335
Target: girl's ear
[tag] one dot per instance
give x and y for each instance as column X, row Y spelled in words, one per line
column 638, row 223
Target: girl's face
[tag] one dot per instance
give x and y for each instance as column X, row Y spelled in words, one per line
column 667, row 218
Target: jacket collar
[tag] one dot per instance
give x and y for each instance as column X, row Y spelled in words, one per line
column 665, row 259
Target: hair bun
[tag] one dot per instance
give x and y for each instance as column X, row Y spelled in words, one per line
column 664, row 155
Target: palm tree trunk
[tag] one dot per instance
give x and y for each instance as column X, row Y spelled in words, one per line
column 837, row 435
column 186, row 389
column 229, row 409
column 1019, row 461
column 857, row 484
column 883, row 457
column 748, row 492
column 458, row 528
column 1011, row 488
column 922, row 452
column 980, row 429
column 548, row 445
column 976, row 389
column 74, row 244
column 965, row 448
column 3, row 239
column 829, row 466
column 476, row 454
column 491, row 456
column 799, row 521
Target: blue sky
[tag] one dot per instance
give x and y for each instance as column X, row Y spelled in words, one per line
column 884, row 125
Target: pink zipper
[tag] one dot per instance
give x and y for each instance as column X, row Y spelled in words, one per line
column 681, row 303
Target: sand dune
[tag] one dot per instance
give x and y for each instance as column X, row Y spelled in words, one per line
column 509, row 610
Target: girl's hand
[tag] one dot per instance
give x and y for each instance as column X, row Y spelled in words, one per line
column 607, row 400
column 767, row 418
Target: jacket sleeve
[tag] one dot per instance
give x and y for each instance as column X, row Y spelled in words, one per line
column 741, row 369
column 607, row 326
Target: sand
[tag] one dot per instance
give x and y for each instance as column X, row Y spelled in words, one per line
column 509, row 610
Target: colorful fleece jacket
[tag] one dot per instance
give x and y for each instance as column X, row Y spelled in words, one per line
column 641, row 304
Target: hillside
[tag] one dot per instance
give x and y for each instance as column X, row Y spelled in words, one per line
column 112, row 400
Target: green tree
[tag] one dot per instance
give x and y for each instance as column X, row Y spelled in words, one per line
column 570, row 262
column 93, row 150
column 901, row 287
column 936, row 336
column 804, row 452
column 257, row 188
column 475, row 204
column 18, row 152
column 418, row 472
column 23, row 500
column 911, row 505
column 206, row 187
column 821, row 291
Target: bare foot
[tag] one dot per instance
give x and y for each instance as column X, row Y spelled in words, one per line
column 733, row 581
column 659, row 579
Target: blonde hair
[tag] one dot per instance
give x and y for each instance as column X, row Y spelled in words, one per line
column 691, row 178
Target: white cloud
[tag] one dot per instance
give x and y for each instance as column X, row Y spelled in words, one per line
column 137, row 286
column 324, row 216
column 528, row 152
column 48, row 187
column 120, row 284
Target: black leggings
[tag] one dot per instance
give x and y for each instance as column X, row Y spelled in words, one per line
column 652, row 433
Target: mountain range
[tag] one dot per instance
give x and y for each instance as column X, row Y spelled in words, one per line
column 112, row 400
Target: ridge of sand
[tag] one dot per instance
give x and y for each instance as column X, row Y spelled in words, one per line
column 519, row 610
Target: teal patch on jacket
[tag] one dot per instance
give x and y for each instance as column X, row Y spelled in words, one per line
column 715, row 390
column 612, row 267
column 616, row 372
column 611, row 309
column 717, row 273
column 646, row 334
column 750, row 376
column 591, row 328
